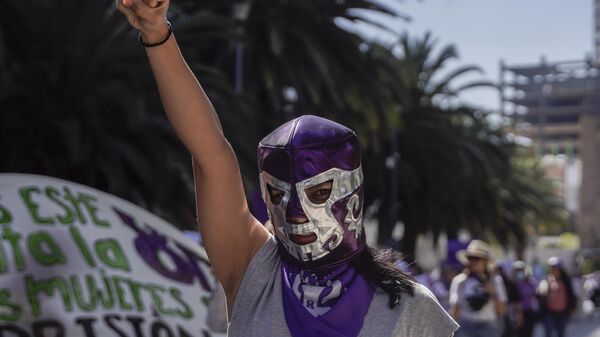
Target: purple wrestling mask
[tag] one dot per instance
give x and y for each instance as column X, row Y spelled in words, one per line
column 295, row 158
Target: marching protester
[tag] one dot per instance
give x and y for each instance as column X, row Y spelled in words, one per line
column 477, row 295
column 528, row 306
column 441, row 284
column 557, row 299
column 315, row 276
column 513, row 306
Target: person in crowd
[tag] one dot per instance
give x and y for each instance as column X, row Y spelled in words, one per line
column 437, row 281
column 528, row 305
column 577, row 285
column 513, row 305
column 538, row 271
column 441, row 284
column 315, row 276
column 557, row 299
column 422, row 276
column 591, row 290
column 477, row 295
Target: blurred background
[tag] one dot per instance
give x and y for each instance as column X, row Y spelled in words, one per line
column 477, row 119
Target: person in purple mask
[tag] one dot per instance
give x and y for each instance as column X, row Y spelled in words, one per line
column 315, row 276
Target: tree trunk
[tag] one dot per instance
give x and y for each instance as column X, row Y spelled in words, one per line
column 452, row 233
column 408, row 244
column 385, row 229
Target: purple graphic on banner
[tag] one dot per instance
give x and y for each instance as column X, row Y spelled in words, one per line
column 150, row 244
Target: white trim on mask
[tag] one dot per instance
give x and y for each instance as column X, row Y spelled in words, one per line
column 321, row 220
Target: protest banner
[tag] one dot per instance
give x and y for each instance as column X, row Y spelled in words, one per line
column 75, row 261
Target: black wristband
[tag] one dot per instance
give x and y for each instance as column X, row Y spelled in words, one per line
column 150, row 45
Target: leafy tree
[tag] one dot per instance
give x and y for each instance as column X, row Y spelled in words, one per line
column 298, row 48
column 455, row 169
column 77, row 101
column 74, row 104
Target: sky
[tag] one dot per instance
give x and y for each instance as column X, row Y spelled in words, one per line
column 486, row 31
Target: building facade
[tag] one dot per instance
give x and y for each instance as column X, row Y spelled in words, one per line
column 556, row 105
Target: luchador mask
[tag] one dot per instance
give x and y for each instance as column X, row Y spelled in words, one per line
column 298, row 156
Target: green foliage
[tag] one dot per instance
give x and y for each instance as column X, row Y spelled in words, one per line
column 456, row 169
column 77, row 101
column 74, row 104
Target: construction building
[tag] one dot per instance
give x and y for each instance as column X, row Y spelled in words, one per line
column 556, row 105
column 548, row 99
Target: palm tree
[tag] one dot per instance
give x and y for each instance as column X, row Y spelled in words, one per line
column 74, row 105
column 455, row 169
column 295, row 47
column 299, row 46
column 428, row 138
column 78, row 100
column 529, row 200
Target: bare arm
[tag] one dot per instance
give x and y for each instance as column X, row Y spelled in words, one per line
column 455, row 287
column 230, row 233
column 499, row 306
column 454, row 311
column 496, row 289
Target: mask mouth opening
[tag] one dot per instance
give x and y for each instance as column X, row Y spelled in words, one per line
column 303, row 239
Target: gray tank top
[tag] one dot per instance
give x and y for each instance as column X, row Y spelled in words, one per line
column 258, row 307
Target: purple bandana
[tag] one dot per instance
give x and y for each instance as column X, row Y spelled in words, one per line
column 333, row 305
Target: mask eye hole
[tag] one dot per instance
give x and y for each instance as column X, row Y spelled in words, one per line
column 318, row 194
column 275, row 194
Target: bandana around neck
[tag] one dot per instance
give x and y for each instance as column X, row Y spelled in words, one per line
column 333, row 305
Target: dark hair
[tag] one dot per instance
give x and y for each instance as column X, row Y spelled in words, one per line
column 378, row 266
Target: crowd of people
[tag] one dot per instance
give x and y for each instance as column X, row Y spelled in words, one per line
column 494, row 299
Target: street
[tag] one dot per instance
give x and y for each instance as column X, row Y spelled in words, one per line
column 580, row 326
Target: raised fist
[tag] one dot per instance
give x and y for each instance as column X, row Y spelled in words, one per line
column 147, row 16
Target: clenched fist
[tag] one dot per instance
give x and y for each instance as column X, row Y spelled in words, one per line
column 147, row 16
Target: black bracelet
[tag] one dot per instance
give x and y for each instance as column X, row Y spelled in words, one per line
column 150, row 45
